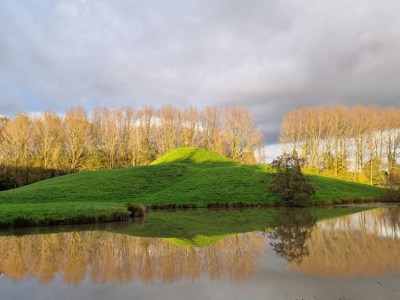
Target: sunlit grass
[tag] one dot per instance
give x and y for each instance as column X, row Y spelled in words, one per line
column 185, row 176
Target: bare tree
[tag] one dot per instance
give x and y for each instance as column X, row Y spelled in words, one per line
column 126, row 118
column 239, row 133
column 169, row 126
column 47, row 140
column 76, row 126
column 147, row 150
column 191, row 127
column 210, row 127
column 16, row 147
column 337, row 140
column 293, row 132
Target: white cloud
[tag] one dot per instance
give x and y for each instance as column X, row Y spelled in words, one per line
column 267, row 55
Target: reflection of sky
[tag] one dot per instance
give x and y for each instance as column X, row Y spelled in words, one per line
column 366, row 221
column 272, row 277
column 272, row 281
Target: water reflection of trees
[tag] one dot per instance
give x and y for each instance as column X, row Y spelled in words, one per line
column 361, row 244
column 293, row 228
column 392, row 215
column 107, row 257
column 366, row 243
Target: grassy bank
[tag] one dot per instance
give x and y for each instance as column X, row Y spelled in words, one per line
column 195, row 228
column 182, row 178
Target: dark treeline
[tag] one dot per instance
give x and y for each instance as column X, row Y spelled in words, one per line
column 42, row 146
column 359, row 143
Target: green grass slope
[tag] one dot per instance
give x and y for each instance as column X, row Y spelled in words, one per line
column 192, row 156
column 183, row 176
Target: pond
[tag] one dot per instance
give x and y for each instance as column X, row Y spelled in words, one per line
column 339, row 253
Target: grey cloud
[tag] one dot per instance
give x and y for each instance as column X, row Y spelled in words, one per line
column 270, row 56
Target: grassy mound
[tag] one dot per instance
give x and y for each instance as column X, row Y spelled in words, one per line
column 193, row 156
column 182, row 178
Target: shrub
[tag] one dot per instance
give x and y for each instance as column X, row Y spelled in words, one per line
column 390, row 195
column 347, row 200
column 358, row 200
column 21, row 222
column 48, row 222
column 188, row 206
column 368, row 199
column 79, row 219
column 290, row 184
column 137, row 210
column 327, row 203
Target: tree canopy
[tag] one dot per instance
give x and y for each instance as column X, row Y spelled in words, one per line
column 289, row 183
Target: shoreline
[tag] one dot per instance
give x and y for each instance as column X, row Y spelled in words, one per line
column 134, row 212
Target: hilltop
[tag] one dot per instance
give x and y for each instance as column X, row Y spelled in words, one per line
column 192, row 156
column 183, row 177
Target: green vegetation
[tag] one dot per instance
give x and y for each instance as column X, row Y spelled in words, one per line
column 33, row 148
column 197, row 241
column 184, row 177
column 391, row 195
column 290, row 184
column 193, row 156
column 203, row 227
column 199, row 227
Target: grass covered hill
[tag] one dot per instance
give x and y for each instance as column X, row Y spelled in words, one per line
column 183, row 177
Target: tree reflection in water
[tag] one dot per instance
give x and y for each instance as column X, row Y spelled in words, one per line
column 364, row 243
column 293, row 229
column 393, row 216
column 109, row 257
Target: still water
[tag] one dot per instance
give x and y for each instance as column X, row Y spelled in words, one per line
column 249, row 254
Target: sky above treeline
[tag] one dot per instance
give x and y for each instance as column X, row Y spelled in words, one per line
column 268, row 56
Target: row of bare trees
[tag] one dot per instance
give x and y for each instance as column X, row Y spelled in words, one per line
column 359, row 143
column 34, row 147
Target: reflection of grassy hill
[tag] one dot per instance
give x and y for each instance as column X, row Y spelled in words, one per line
column 197, row 241
column 182, row 177
column 196, row 228
column 203, row 227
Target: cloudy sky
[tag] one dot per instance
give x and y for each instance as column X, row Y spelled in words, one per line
column 268, row 55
